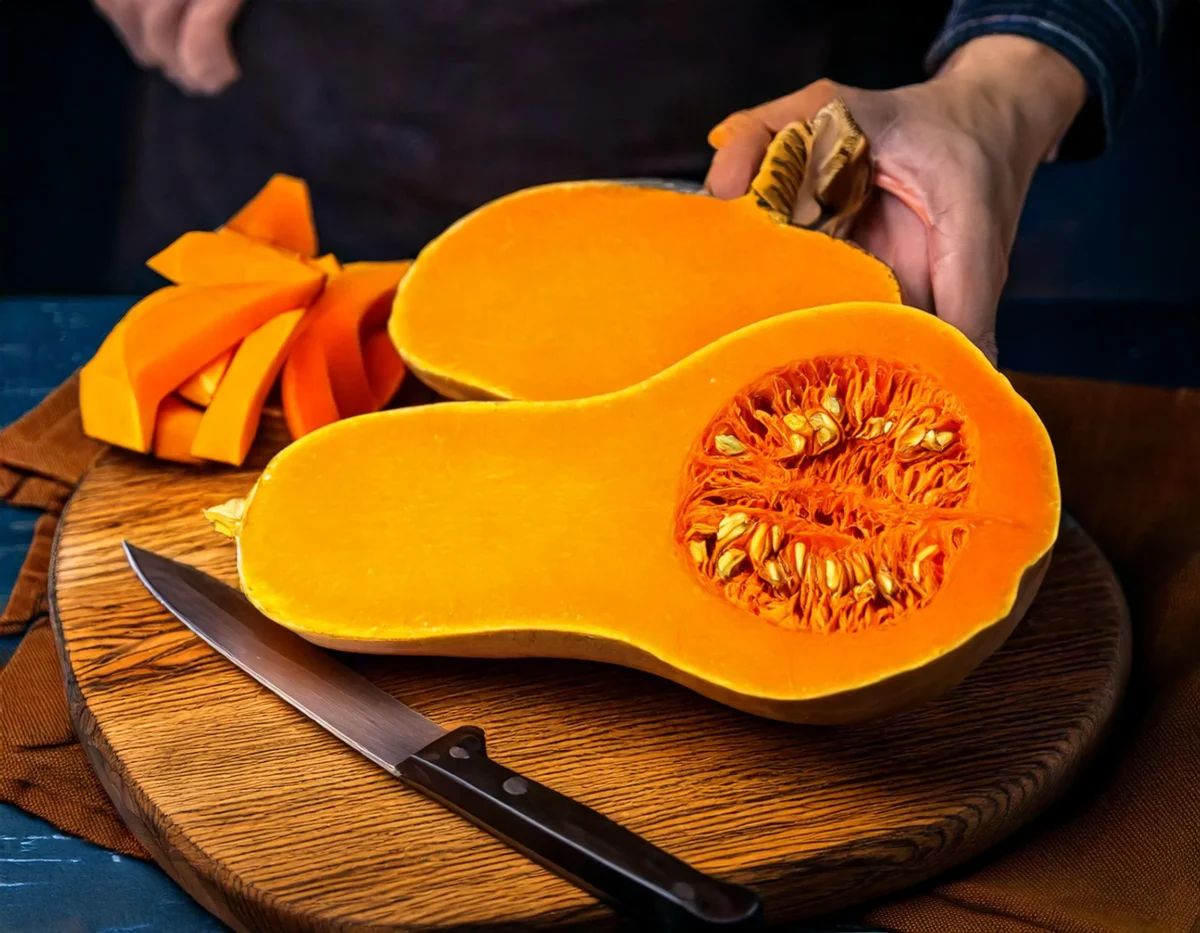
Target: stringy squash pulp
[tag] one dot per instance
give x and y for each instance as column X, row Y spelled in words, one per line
column 792, row 520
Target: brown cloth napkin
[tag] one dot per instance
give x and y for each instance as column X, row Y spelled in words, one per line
column 1120, row 855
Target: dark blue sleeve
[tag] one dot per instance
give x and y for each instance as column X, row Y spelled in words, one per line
column 1111, row 42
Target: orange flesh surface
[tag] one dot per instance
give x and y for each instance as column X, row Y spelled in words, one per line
column 569, row 291
column 385, row 369
column 281, row 215
column 189, row 327
column 231, row 421
column 200, row 387
column 471, row 528
column 222, row 258
column 175, row 428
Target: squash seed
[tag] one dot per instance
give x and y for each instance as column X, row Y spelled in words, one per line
column 798, row 552
column 774, row 572
column 776, row 537
column 758, row 543
column 887, row 583
column 728, row 562
column 797, row 443
column 699, row 550
column 731, row 521
column 922, row 554
column 729, row 445
column 831, row 404
column 833, row 575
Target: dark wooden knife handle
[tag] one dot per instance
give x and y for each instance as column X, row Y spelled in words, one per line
column 604, row 858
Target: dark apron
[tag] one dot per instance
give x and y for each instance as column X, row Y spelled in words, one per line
column 405, row 114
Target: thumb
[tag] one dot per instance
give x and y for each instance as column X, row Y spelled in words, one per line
column 741, row 139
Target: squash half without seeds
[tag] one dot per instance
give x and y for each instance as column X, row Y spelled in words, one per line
column 569, row 290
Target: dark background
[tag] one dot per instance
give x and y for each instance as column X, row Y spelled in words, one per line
column 1104, row 273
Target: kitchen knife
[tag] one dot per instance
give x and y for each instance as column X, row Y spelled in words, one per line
column 610, row 862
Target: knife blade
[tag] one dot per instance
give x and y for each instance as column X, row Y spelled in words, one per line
column 597, row 854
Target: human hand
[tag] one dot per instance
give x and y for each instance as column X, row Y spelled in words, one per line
column 954, row 159
column 188, row 40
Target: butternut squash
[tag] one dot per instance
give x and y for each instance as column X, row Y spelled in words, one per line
column 189, row 326
column 575, row 289
column 280, row 215
column 228, row 427
column 825, row 516
column 175, row 427
column 200, row 387
column 385, row 369
column 353, row 302
column 226, row 257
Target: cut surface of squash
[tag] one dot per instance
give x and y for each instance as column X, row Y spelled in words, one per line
column 352, row 303
column 305, row 388
column 200, row 387
column 175, row 428
column 226, row 257
column 229, row 424
column 680, row 526
column 281, row 215
column 190, row 326
column 571, row 290
column 385, row 369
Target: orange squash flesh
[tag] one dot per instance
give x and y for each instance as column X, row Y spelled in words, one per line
column 200, row 387
column 571, row 290
column 340, row 317
column 175, row 428
column 554, row 528
column 229, row 424
column 385, row 369
column 200, row 322
column 305, row 388
column 281, row 215
column 225, row 257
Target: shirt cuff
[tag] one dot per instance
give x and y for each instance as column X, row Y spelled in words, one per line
column 1110, row 41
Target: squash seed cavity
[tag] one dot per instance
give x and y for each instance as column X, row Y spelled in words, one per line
column 831, row 495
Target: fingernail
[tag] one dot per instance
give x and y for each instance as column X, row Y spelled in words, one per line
column 719, row 135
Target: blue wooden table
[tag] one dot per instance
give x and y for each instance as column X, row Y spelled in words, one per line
column 52, row 882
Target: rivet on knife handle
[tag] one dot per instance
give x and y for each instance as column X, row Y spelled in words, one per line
column 587, row 848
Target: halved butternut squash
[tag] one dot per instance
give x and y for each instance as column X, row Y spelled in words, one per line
column 825, row 516
column 576, row 289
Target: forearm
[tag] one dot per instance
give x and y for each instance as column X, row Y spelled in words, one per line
column 1109, row 42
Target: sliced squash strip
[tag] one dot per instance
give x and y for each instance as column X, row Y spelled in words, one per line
column 352, row 303
column 194, row 326
column 281, row 215
column 385, row 369
column 175, row 428
column 201, row 257
column 306, row 390
column 228, row 426
column 200, row 386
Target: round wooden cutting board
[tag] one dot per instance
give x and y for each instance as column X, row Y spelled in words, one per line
column 273, row 824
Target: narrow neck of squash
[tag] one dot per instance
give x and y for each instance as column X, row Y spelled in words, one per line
column 816, row 174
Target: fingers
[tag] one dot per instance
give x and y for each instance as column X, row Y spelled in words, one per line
column 205, row 62
column 187, row 39
column 160, row 32
column 896, row 235
column 741, row 139
column 125, row 16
